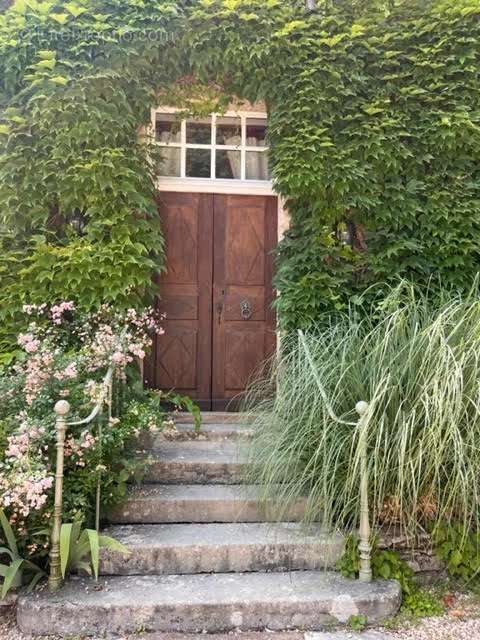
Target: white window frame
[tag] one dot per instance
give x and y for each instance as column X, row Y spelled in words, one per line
column 184, row 183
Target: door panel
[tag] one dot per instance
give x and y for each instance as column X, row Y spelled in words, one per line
column 244, row 238
column 245, row 229
column 182, row 357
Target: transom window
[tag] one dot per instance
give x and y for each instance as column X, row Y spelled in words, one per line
column 221, row 147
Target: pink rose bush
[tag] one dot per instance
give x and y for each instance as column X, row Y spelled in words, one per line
column 25, row 478
column 64, row 353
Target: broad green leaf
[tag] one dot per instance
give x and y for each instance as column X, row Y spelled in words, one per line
column 61, row 18
column 8, row 531
column 94, row 550
column 46, row 64
column 106, row 542
column 4, row 550
column 75, row 9
column 28, row 565
column 46, row 54
column 13, row 577
column 65, row 546
column 62, row 80
column 33, row 582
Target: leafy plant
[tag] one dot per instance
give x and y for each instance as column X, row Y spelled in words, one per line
column 80, row 549
column 418, row 367
column 358, row 622
column 349, row 563
column 184, row 402
column 422, row 603
column 378, row 187
column 65, row 354
column 388, row 565
column 459, row 549
column 13, row 573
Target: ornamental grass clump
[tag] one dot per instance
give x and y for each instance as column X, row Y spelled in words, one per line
column 419, row 367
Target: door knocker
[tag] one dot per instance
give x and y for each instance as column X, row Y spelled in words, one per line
column 246, row 309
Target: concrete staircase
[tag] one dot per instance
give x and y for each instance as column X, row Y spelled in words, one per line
column 207, row 556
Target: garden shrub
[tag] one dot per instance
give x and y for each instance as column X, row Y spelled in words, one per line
column 418, row 366
column 65, row 354
column 388, row 565
column 459, row 548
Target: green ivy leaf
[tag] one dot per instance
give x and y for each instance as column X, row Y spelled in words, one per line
column 61, row 18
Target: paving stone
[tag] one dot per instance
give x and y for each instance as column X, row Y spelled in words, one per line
column 220, row 548
column 308, row 600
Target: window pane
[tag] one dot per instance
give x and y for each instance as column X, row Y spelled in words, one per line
column 198, row 163
column 257, row 165
column 256, row 132
column 167, row 128
column 169, row 165
column 199, row 132
column 229, row 131
column 228, row 164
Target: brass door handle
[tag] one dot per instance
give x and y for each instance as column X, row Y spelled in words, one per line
column 246, row 309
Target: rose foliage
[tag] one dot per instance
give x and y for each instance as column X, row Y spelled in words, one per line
column 65, row 354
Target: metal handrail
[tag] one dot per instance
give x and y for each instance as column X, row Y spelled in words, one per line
column 364, row 411
column 106, row 384
column 62, row 409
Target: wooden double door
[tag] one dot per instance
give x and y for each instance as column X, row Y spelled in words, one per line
column 216, row 294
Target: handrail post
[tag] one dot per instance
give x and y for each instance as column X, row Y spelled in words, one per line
column 55, row 579
column 365, row 575
column 109, row 401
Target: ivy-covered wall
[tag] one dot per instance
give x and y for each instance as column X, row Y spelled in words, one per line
column 374, row 127
column 77, row 198
column 374, row 130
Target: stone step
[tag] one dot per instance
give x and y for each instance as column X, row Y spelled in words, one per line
column 221, row 548
column 210, row 431
column 266, row 634
column 210, row 417
column 184, row 432
column 158, row 504
column 309, row 600
column 196, row 462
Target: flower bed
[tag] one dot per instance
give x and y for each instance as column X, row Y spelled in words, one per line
column 65, row 354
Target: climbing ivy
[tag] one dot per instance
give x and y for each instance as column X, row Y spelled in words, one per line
column 77, row 200
column 374, row 127
column 374, row 131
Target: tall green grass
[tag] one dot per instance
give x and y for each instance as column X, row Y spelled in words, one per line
column 419, row 366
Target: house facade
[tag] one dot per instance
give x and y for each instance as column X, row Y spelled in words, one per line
column 222, row 221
